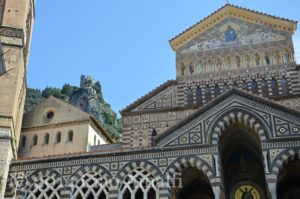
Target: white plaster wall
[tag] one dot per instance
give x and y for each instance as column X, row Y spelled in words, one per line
column 79, row 143
column 99, row 137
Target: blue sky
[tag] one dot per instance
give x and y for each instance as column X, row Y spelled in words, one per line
column 123, row 44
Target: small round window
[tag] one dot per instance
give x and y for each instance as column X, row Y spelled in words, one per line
column 50, row 115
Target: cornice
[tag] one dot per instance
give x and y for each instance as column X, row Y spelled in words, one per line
column 52, row 126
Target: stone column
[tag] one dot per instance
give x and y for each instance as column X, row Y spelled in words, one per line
column 217, row 191
column 6, row 156
column 114, row 190
column 272, row 190
column 65, row 192
column 266, row 162
column 217, row 165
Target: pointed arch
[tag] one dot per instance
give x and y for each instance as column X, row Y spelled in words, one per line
column 189, row 96
column 207, row 94
column 182, row 163
column 237, row 115
column 286, row 174
column 225, row 87
column 274, row 85
column 254, row 87
column 264, row 88
column 198, row 95
column 216, row 90
column 127, row 168
column 90, row 181
column 282, row 159
column 187, row 173
column 139, row 179
column 245, row 86
column 43, row 184
column 235, row 85
column 284, row 86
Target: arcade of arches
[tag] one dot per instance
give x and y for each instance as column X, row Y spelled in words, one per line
column 229, row 123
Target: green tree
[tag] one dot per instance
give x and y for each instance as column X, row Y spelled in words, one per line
column 55, row 92
column 33, row 98
column 68, row 89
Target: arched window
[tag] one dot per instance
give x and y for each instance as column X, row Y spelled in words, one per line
column 139, row 183
column 216, row 90
column 34, row 140
column 245, row 86
column 23, row 141
column 235, row 85
column 198, row 96
column 46, row 138
column 285, row 86
column 264, row 88
column 189, row 96
column 267, row 58
column 274, row 85
column 225, row 87
column 254, row 87
column 43, row 186
column 207, row 94
column 70, row 136
column 257, row 59
column 95, row 139
column 58, row 137
column 91, row 185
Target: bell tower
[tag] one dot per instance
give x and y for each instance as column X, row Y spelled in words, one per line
column 16, row 19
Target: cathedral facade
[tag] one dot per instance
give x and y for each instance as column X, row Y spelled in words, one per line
column 227, row 127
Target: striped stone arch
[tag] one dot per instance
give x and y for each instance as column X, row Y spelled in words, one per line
column 91, row 180
column 236, row 116
column 127, row 168
column 11, row 185
column 130, row 167
column 35, row 181
column 89, row 168
column 182, row 163
column 282, row 159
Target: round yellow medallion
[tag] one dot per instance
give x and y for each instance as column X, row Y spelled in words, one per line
column 246, row 192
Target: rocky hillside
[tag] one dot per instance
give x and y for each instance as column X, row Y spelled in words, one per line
column 88, row 97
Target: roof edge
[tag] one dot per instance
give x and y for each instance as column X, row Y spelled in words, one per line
column 192, row 31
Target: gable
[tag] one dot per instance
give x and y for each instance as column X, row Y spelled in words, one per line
column 231, row 11
column 270, row 121
column 159, row 98
column 62, row 113
column 230, row 33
